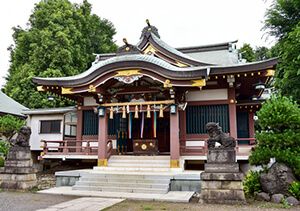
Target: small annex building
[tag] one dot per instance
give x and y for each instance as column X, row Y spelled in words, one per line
column 153, row 99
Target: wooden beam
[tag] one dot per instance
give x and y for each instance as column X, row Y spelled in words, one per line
column 140, row 103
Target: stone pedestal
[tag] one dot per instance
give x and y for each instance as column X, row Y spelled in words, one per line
column 221, row 181
column 18, row 170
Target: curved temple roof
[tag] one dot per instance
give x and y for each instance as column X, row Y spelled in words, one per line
column 156, row 65
column 162, row 63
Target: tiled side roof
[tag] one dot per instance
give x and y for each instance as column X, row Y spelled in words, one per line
column 10, row 106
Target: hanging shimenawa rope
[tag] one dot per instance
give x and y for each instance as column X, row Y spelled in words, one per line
column 154, row 124
column 130, row 125
column 142, row 124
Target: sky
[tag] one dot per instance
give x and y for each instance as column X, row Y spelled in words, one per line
column 180, row 23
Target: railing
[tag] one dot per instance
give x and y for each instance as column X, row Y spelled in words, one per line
column 192, row 150
column 70, row 147
column 243, row 147
column 74, row 147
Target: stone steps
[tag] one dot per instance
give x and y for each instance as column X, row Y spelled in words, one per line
column 130, row 157
column 121, row 189
column 135, row 176
column 129, row 174
column 132, row 169
column 124, row 184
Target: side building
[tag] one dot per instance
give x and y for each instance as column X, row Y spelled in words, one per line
column 153, row 99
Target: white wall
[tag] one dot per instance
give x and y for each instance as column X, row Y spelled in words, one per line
column 34, row 122
column 205, row 95
column 89, row 101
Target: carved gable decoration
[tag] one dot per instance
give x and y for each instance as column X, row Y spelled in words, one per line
column 128, row 76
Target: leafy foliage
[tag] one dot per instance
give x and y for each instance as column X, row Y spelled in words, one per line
column 247, row 52
column 4, row 148
column 288, row 71
column 1, row 161
column 254, row 54
column 251, row 183
column 10, row 125
column 283, row 22
column 294, row 189
column 282, row 17
column 279, row 119
column 60, row 41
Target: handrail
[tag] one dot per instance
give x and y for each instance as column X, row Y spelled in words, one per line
column 65, row 147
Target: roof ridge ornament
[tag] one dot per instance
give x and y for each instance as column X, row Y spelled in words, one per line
column 128, row 48
column 149, row 29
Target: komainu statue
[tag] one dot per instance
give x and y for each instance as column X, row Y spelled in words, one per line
column 22, row 139
column 216, row 135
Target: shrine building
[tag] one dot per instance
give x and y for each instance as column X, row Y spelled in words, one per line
column 153, row 99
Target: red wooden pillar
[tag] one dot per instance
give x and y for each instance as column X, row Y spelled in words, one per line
column 174, row 140
column 232, row 113
column 251, row 125
column 79, row 128
column 102, row 141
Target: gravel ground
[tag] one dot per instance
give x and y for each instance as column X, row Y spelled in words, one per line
column 155, row 206
column 18, row 201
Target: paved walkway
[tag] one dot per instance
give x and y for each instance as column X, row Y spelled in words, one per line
column 19, row 201
column 172, row 196
column 84, row 203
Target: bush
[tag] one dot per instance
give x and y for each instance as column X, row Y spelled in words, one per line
column 279, row 119
column 10, row 125
column 4, row 148
column 251, row 183
column 1, row 161
column 294, row 189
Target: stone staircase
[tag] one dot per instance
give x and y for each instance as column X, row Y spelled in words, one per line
column 131, row 174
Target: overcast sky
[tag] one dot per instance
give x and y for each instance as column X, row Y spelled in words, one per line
column 180, row 23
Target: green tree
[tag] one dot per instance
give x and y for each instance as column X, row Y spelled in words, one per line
column 283, row 22
column 255, row 54
column 262, row 53
column 10, row 125
column 279, row 138
column 282, row 17
column 60, row 41
column 247, row 52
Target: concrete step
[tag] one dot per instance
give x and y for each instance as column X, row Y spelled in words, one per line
column 121, row 189
column 126, row 176
column 131, row 169
column 139, row 165
column 153, row 162
column 113, row 180
column 130, row 157
column 127, row 184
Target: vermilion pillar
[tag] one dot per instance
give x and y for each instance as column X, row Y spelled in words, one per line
column 79, row 128
column 174, row 140
column 102, row 141
column 251, row 125
column 232, row 113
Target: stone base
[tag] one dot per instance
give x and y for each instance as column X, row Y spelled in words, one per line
column 18, row 172
column 221, row 156
column 221, row 182
column 222, row 197
column 221, row 176
column 18, row 185
column 222, row 167
column 222, row 192
column 19, row 153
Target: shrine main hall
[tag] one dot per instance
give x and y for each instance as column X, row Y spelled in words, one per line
column 151, row 99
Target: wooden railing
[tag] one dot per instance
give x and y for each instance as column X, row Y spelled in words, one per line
column 70, row 147
column 243, row 147
column 74, row 147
